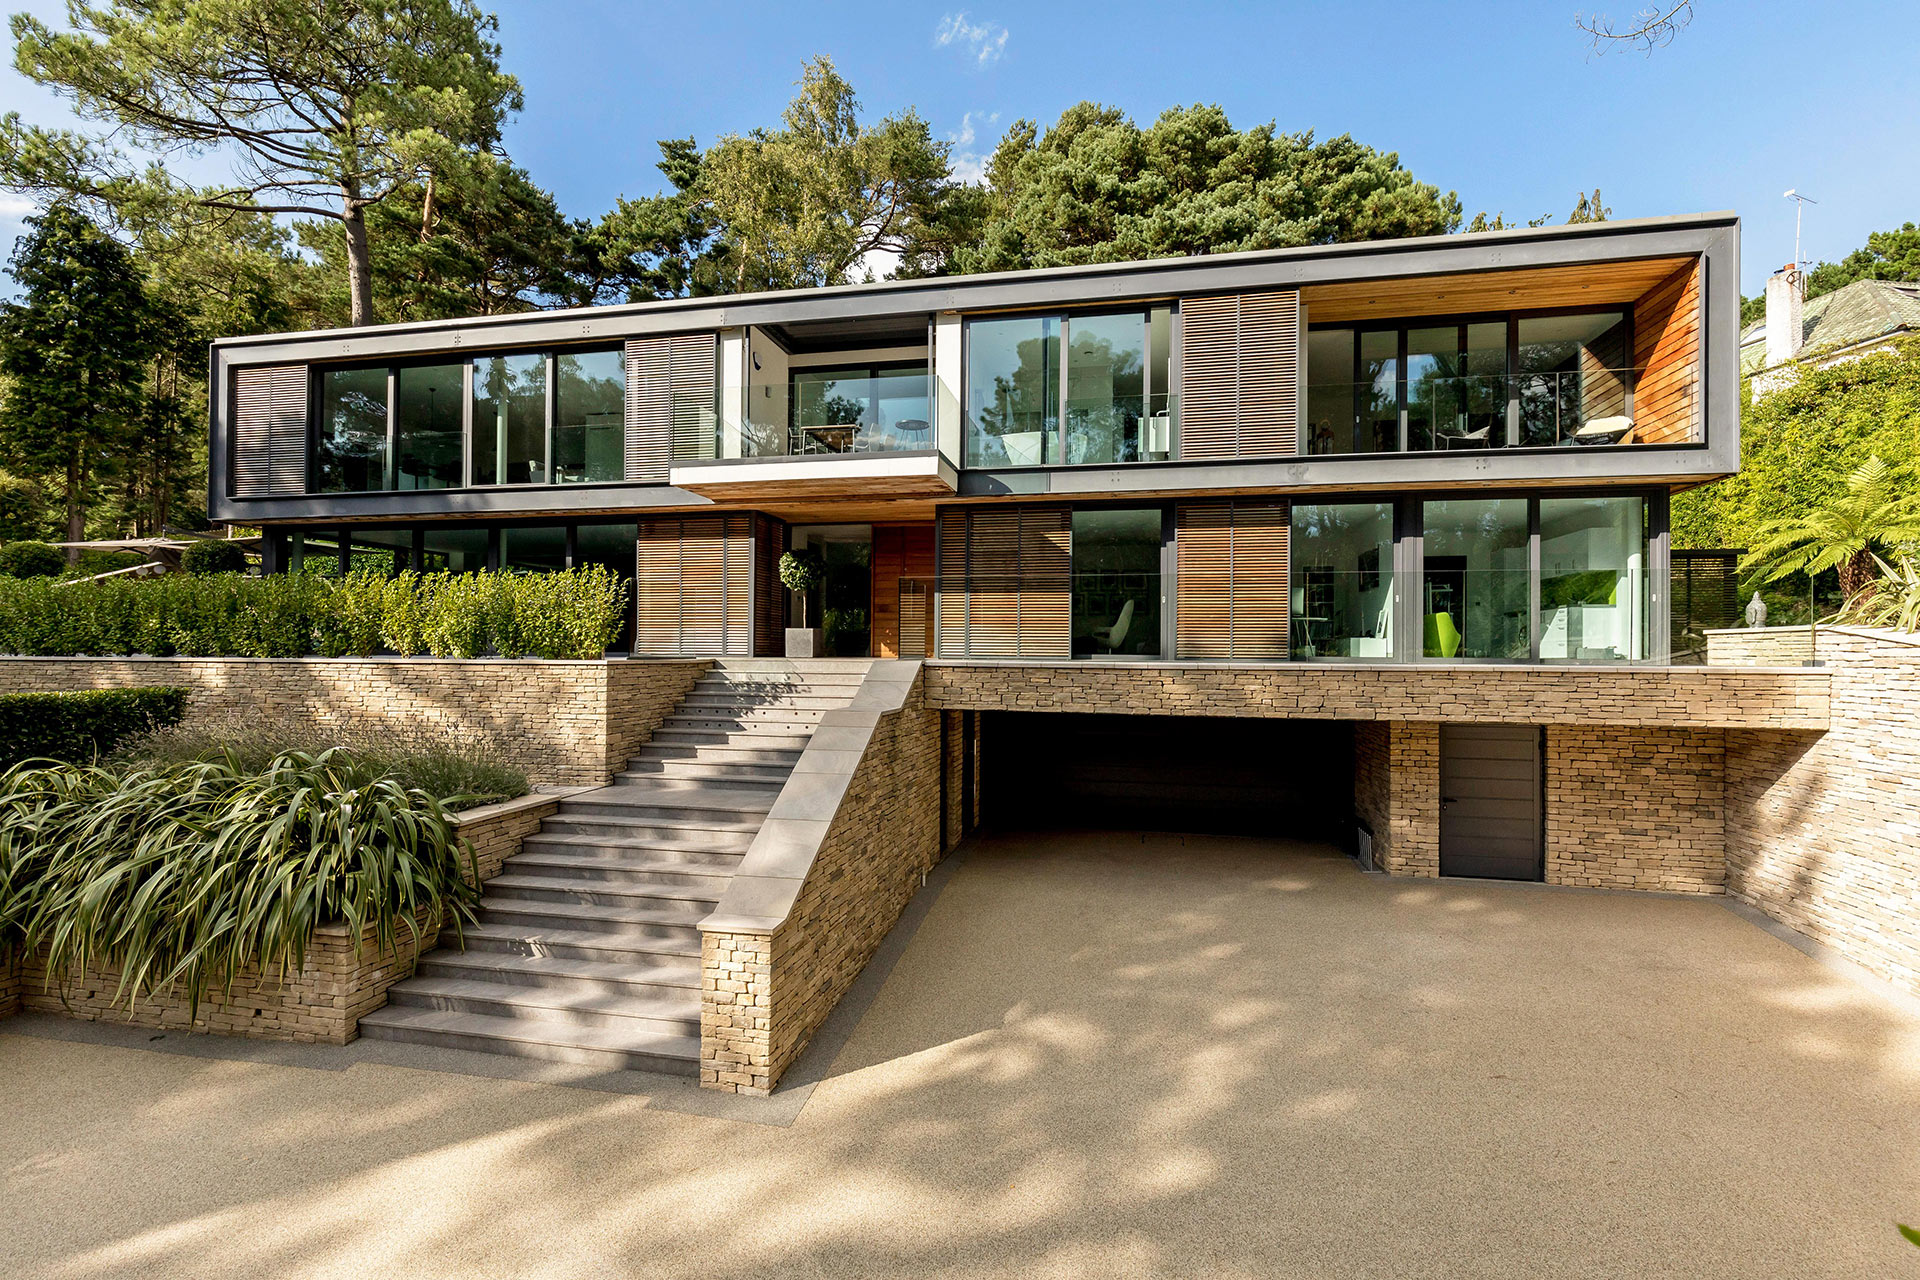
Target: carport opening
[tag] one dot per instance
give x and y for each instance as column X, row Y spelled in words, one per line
column 1204, row 774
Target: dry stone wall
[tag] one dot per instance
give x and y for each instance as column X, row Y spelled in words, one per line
column 1636, row 808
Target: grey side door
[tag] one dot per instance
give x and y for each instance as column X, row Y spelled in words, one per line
column 1490, row 802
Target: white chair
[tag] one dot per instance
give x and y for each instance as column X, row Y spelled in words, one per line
column 1113, row 637
column 1617, row 429
column 1023, row 447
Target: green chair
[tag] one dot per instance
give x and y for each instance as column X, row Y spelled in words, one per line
column 1443, row 638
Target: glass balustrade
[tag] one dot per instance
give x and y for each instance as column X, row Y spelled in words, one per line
column 1445, row 413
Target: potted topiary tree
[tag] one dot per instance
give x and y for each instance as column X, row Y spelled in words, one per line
column 802, row 571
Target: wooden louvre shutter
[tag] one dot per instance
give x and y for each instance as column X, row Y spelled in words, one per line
column 1006, row 583
column 1232, row 600
column 695, row 366
column 1240, row 375
column 269, row 431
column 693, row 585
column 670, row 391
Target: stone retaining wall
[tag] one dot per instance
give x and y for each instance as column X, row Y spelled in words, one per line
column 810, row 907
column 1396, row 786
column 562, row 723
column 344, row 977
column 1760, row 647
column 1636, row 809
column 9, row 986
column 1823, row 830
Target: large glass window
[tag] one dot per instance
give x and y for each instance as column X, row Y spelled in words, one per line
column 1342, row 600
column 427, row 418
column 510, row 419
column 1111, row 401
column 1377, row 389
column 589, row 426
column 541, row 549
column 454, row 550
column 350, row 441
column 1593, row 579
column 1116, row 582
column 1476, row 587
column 1572, row 377
column 861, row 409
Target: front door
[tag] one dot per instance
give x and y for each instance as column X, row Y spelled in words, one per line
column 1490, row 801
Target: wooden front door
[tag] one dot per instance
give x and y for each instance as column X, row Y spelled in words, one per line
column 899, row 551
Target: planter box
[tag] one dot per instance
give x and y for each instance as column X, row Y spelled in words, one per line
column 805, row 642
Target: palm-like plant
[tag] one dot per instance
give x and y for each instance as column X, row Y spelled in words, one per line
column 1876, row 513
column 1894, row 603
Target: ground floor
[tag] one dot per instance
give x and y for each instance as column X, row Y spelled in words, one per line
column 1095, row 1055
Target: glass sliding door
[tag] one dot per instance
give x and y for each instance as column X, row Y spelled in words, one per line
column 1342, row 590
column 428, row 411
column 1106, row 387
column 1476, row 580
column 1377, row 388
column 589, row 423
column 1331, row 416
column 1573, row 379
column 350, row 439
column 541, row 549
column 1013, row 392
column 1593, row 580
column 1078, row 390
column 510, row 419
column 1116, row 582
column 454, row 550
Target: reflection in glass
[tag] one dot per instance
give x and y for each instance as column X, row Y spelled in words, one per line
column 613, row 547
column 1116, row 582
column 350, row 440
column 1476, row 589
column 589, row 427
column 866, row 409
column 427, row 416
column 1163, row 406
column 1342, row 601
column 846, row 597
column 1378, row 392
column 1330, row 392
column 1433, row 372
column 1572, row 379
column 510, row 419
column 455, row 550
column 382, row 550
column 1013, row 391
column 535, row 550
column 1593, row 579
column 1106, row 364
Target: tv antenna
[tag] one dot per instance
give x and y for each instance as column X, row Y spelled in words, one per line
column 1800, row 204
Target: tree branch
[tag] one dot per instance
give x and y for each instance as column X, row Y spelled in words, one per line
column 1653, row 28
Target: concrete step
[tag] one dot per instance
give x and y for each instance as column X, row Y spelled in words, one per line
column 625, row 871
column 674, row 783
column 559, row 942
column 767, row 739
column 778, row 719
column 666, row 1011
column 717, row 753
column 774, row 682
column 612, row 1048
column 559, row 973
column 742, row 773
column 627, row 924
column 702, row 832
column 664, row 901
column 692, row 847
column 810, row 666
column 725, row 807
column 700, row 700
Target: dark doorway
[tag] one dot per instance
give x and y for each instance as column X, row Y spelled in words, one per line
column 1203, row 774
column 1490, row 801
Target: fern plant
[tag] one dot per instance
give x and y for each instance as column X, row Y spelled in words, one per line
column 1876, row 513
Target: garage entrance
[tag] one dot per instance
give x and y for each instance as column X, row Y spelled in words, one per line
column 1203, row 774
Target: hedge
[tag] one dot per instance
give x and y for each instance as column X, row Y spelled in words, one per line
column 575, row 614
column 79, row 726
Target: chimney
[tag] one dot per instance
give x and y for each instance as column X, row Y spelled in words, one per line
column 1786, row 290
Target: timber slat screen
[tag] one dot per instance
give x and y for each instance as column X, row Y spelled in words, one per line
column 1231, row 559
column 1240, row 375
column 1005, row 583
column 269, row 431
column 1666, row 349
column 670, row 398
column 1705, row 596
column 769, row 596
column 693, row 586
column 900, row 552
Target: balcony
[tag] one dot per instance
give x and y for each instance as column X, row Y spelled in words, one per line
column 1587, row 406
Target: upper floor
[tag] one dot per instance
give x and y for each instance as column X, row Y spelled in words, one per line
column 1595, row 354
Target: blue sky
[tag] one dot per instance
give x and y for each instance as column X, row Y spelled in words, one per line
column 1502, row 102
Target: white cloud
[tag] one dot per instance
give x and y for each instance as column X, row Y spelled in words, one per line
column 985, row 40
column 969, row 165
column 12, row 206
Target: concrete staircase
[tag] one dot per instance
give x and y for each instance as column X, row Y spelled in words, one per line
column 588, row 946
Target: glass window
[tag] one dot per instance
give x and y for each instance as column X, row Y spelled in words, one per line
column 1378, row 392
column 350, row 442
column 1433, row 387
column 536, row 550
column 1106, row 389
column 1013, row 389
column 383, row 550
column 901, row 415
column 1593, row 579
column 832, row 409
column 1342, row 601
column 612, row 546
column 317, row 553
column 455, row 550
column 1476, row 589
column 1163, row 408
column 1572, row 377
column 1116, row 583
column 590, row 418
column 427, row 416
column 1330, row 388
column 510, row 419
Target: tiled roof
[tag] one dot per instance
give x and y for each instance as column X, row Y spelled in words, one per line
column 1860, row 312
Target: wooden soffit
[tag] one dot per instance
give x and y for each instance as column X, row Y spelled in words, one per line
column 1582, row 285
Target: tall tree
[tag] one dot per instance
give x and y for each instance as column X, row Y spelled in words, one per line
column 1095, row 187
column 74, row 351
column 664, row 246
column 1887, row 255
column 808, row 203
column 327, row 106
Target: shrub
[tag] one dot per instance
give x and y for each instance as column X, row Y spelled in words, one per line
column 460, row 611
column 79, row 726
column 403, row 615
column 188, row 873
column 349, row 622
column 213, row 556
column 31, row 560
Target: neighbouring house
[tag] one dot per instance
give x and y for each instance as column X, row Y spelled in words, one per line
column 1854, row 321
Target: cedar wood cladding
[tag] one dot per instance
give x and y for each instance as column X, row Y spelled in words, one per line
column 693, row 585
column 1005, row 577
column 270, row 430
column 1239, row 375
column 1232, row 570
column 1667, row 343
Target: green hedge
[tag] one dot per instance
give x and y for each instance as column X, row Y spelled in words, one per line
column 79, row 726
column 575, row 614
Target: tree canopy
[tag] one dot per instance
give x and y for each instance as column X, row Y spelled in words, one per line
column 1095, row 187
column 1887, row 255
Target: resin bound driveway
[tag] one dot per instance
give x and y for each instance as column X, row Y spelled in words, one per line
column 1097, row 1056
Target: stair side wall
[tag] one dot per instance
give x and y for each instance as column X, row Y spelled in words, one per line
column 765, row 994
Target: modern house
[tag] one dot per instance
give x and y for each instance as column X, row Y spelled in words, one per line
column 1364, row 542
